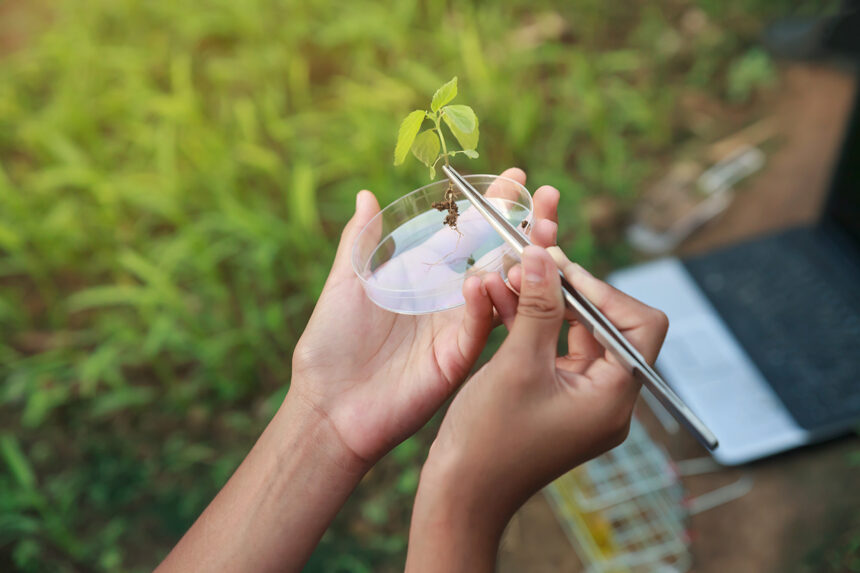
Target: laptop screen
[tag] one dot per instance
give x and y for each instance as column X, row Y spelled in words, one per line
column 843, row 205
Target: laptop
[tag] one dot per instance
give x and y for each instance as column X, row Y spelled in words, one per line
column 764, row 336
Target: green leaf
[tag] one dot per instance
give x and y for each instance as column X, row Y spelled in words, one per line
column 17, row 462
column 406, row 136
column 444, row 94
column 121, row 399
column 426, row 147
column 303, row 196
column 463, row 123
column 748, row 74
column 42, row 402
column 471, row 153
column 17, row 525
column 462, row 116
column 103, row 296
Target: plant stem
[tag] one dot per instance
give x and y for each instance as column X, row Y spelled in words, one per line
column 449, row 204
column 441, row 140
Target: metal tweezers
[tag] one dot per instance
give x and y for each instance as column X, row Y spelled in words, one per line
column 595, row 321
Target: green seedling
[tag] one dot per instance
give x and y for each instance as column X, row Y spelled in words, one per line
column 429, row 146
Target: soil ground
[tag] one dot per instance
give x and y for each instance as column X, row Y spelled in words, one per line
column 802, row 501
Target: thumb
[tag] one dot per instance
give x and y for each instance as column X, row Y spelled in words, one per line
column 541, row 308
column 366, row 208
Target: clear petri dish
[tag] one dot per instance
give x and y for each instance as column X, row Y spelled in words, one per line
column 410, row 262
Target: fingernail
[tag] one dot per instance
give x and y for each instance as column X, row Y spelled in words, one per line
column 533, row 267
column 357, row 200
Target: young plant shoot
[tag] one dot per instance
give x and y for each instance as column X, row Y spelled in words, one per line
column 430, row 146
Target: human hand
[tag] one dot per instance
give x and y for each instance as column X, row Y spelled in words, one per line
column 528, row 415
column 376, row 376
column 363, row 379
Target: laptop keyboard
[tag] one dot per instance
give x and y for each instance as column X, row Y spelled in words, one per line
column 793, row 302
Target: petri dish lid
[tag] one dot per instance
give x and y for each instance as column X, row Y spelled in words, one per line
column 411, row 262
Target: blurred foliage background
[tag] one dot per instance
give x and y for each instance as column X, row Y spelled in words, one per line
column 173, row 179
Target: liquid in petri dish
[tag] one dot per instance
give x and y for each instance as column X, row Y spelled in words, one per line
column 420, row 266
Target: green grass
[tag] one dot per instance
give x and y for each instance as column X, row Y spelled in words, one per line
column 173, row 179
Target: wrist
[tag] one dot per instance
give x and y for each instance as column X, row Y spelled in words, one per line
column 301, row 425
column 457, row 521
column 458, row 482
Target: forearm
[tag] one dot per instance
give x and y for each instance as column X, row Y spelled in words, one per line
column 276, row 506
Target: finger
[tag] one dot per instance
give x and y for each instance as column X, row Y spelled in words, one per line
column 515, row 278
column 476, row 325
column 544, row 233
column 611, row 377
column 514, row 282
column 645, row 327
column 508, row 185
column 504, row 300
column 516, row 174
column 540, row 310
column 366, row 208
column 582, row 349
column 546, row 203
